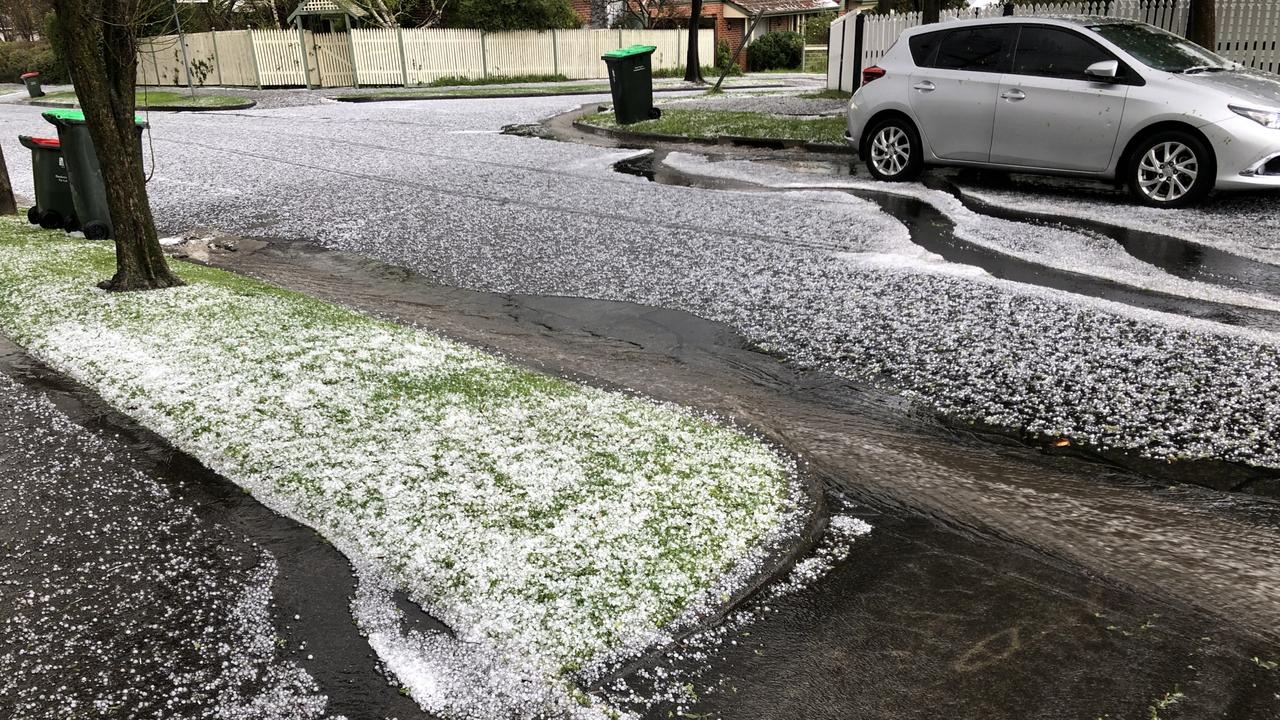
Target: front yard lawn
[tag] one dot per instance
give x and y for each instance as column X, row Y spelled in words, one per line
column 549, row 523
column 710, row 124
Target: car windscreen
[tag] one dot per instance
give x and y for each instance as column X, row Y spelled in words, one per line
column 1160, row 50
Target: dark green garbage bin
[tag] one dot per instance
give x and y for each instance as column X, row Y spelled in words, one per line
column 88, row 190
column 32, row 81
column 631, row 80
column 54, row 206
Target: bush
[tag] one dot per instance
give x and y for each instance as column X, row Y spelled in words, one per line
column 452, row 80
column 779, row 50
column 17, row 58
column 503, row 15
column 817, row 28
column 724, row 56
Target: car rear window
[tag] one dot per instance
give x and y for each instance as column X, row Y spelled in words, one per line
column 923, row 48
column 980, row 49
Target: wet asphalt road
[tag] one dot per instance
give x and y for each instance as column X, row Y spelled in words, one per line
column 985, row 546
column 1000, row 577
column 134, row 583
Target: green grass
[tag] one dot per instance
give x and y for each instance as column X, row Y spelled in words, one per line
column 709, row 124
column 827, row 95
column 459, row 80
column 551, row 522
column 161, row 98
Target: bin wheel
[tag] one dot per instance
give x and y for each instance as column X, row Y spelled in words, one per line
column 34, row 215
column 96, row 231
column 51, row 220
column 655, row 113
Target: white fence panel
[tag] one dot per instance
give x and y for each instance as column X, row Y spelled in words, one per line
column 279, row 56
column 235, row 57
column 333, row 59
column 1238, row 36
column 580, row 52
column 520, row 53
column 431, row 54
column 378, row 56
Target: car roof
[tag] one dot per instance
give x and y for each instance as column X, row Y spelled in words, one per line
column 1063, row 20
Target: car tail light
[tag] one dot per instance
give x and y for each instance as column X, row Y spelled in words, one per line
column 875, row 72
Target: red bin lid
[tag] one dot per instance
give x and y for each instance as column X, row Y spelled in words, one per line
column 24, row 76
column 47, row 143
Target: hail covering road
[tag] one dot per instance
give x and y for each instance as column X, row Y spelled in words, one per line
column 827, row 279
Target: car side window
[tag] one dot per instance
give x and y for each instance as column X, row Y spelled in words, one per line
column 980, row 49
column 923, row 48
column 1055, row 53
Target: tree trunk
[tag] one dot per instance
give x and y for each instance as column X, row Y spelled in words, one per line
column 693, row 63
column 8, row 206
column 99, row 40
column 931, row 10
column 1204, row 24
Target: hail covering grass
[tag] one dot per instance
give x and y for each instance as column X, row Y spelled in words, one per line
column 707, row 124
column 547, row 523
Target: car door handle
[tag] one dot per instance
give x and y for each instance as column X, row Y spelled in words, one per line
column 1013, row 95
column 925, row 86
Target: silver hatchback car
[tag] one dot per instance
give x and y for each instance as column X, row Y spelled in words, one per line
column 1086, row 96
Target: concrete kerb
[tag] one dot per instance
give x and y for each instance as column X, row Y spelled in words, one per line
column 497, row 95
column 165, row 108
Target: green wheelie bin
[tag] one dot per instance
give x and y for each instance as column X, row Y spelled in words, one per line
column 631, row 80
column 88, row 190
column 54, row 206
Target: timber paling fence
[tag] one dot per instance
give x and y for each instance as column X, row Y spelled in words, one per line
column 1248, row 30
column 394, row 56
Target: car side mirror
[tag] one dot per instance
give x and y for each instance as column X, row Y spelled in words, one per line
column 1105, row 71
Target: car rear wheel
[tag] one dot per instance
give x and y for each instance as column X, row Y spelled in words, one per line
column 1171, row 170
column 892, row 151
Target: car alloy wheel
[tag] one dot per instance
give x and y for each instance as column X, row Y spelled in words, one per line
column 1168, row 171
column 891, row 150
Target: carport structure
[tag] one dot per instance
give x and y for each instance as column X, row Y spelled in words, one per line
column 328, row 10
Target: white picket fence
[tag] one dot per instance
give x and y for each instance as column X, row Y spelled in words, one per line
column 289, row 58
column 1248, row 30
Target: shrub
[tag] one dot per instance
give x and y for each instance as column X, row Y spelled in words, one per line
column 502, row 15
column 779, row 50
column 17, row 58
column 817, row 28
column 724, row 56
column 452, row 80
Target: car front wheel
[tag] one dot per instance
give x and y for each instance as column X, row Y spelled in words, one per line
column 1171, row 170
column 892, row 151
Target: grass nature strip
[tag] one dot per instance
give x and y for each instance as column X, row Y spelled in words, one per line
column 708, row 124
column 159, row 99
column 553, row 522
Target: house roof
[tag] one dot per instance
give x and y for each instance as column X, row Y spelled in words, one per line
column 784, row 7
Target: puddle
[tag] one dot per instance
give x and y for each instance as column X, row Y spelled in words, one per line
column 315, row 583
column 1172, row 255
column 932, row 230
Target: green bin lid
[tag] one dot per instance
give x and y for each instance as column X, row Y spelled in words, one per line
column 630, row 50
column 76, row 117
